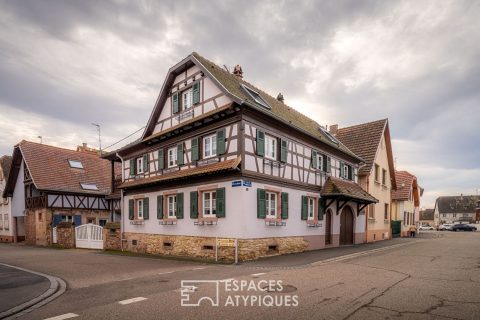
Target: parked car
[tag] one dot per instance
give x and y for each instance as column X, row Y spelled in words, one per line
column 445, row 226
column 462, row 227
column 425, row 227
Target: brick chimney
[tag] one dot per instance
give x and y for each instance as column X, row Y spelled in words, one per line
column 280, row 97
column 238, row 71
column 333, row 129
column 85, row 148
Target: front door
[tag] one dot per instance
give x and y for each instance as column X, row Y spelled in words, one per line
column 328, row 227
column 346, row 226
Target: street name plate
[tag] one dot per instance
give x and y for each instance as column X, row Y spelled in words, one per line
column 226, row 242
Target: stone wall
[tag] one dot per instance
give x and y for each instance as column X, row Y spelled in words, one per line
column 204, row 247
column 66, row 235
column 112, row 236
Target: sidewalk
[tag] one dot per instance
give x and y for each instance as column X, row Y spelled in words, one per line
column 304, row 258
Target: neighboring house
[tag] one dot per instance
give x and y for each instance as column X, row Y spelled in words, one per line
column 6, row 227
column 406, row 201
column 427, row 217
column 49, row 185
column 222, row 158
column 453, row 209
column 371, row 141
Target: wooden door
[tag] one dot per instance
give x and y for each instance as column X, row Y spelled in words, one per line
column 346, row 226
column 328, row 227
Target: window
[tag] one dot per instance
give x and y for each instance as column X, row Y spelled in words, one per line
column 172, row 206
column 377, row 173
column 91, row 220
column 255, row 96
column 210, row 146
column 271, row 199
column 311, row 208
column 319, row 162
column 371, row 211
column 346, row 169
column 140, row 209
column 270, row 147
column 139, row 165
column 172, row 157
column 187, row 98
column 102, row 222
column 40, row 216
column 88, row 186
column 1, row 222
column 75, row 164
column 6, row 222
column 329, row 135
column 384, row 177
column 209, row 203
column 67, row 218
column 385, row 215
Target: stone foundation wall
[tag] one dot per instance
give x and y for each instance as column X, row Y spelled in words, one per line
column 66, row 235
column 204, row 247
column 6, row 238
column 378, row 235
column 112, row 236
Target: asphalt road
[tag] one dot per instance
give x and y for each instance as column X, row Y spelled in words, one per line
column 427, row 278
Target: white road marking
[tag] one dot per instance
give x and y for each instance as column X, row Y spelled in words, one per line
column 166, row 272
column 133, row 300
column 63, row 316
column 199, row 268
column 258, row 274
column 227, row 280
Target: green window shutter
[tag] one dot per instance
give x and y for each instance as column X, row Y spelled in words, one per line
column 159, row 207
column 324, row 163
column 221, row 141
column 175, row 103
column 329, row 164
column 260, row 143
column 354, row 170
column 283, row 150
column 284, row 205
column 194, row 205
column 196, row 92
column 161, row 160
column 261, row 204
column 180, row 154
column 180, row 205
column 341, row 169
column 132, row 167
column 145, row 209
column 220, row 206
column 321, row 209
column 145, row 163
column 195, row 151
column 313, row 159
column 131, row 209
column 304, row 207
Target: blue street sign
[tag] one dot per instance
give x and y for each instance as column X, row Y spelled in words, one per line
column 247, row 183
column 237, row 183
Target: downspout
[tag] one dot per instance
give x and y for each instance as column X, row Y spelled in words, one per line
column 367, row 213
column 122, row 215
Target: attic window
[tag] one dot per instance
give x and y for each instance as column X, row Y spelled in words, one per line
column 75, row 164
column 329, row 136
column 89, row 186
column 255, row 96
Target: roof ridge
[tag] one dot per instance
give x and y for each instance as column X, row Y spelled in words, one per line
column 61, row 148
column 364, row 124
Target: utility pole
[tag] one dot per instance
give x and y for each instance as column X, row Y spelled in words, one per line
column 99, row 137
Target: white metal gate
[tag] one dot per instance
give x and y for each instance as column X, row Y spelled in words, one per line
column 54, row 235
column 89, row 236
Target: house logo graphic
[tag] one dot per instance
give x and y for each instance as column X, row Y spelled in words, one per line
column 192, row 297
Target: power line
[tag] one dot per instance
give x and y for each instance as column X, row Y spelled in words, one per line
column 124, row 138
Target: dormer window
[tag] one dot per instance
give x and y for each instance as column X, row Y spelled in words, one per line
column 329, row 136
column 75, row 164
column 88, row 186
column 255, row 96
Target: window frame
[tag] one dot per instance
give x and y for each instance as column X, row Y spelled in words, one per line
column 173, row 213
column 268, row 208
column 377, row 173
column 310, row 206
column 212, row 204
column 189, row 92
column 89, row 186
column 174, row 153
column 213, row 141
column 346, row 169
column 76, row 164
column 319, row 161
column 67, row 218
column 139, row 207
column 386, row 213
column 384, row 177
column 139, row 165
column 6, row 221
column 275, row 147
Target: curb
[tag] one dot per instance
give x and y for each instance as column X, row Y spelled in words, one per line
column 57, row 288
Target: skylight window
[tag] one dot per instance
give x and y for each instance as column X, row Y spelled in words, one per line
column 329, row 135
column 255, row 96
column 75, row 164
column 89, row 186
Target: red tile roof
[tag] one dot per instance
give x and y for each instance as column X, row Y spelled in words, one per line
column 186, row 173
column 51, row 171
column 405, row 182
column 336, row 187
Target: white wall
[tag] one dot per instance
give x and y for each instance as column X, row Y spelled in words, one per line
column 18, row 199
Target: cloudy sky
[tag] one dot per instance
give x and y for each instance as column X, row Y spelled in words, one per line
column 66, row 64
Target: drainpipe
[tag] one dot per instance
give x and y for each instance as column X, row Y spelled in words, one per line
column 122, row 215
column 367, row 213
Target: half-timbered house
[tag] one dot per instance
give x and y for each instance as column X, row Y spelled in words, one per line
column 220, row 158
column 6, row 227
column 49, row 185
column 406, row 202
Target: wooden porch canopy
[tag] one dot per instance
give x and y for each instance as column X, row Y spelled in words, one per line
column 343, row 191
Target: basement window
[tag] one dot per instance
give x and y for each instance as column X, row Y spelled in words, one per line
column 207, row 247
column 255, row 96
column 75, row 164
column 89, row 186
